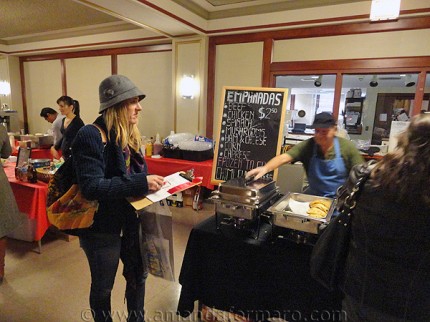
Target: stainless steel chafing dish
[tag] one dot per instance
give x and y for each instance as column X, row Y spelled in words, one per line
column 290, row 212
column 242, row 199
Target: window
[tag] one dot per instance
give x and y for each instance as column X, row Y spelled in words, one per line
column 307, row 96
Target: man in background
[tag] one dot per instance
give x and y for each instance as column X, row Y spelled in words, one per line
column 51, row 115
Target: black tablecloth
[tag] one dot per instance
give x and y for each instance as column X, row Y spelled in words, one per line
column 228, row 270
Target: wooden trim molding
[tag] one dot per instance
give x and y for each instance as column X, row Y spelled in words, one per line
column 366, row 65
column 210, row 89
column 63, row 77
column 24, row 98
column 413, row 23
column 114, row 64
column 267, row 60
column 339, row 67
column 101, row 52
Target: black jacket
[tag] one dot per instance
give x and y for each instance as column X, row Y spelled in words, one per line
column 388, row 265
column 69, row 135
column 101, row 175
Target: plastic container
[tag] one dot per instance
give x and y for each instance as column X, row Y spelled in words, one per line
column 157, row 145
column 148, row 148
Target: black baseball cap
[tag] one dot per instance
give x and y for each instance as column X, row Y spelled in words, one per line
column 323, row 120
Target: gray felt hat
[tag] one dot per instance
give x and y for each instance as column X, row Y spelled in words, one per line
column 115, row 89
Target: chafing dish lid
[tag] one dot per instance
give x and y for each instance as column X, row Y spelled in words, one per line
column 242, row 187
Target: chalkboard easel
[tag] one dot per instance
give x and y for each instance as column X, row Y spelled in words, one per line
column 250, row 130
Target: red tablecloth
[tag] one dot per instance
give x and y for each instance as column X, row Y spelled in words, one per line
column 38, row 153
column 31, row 199
column 166, row 166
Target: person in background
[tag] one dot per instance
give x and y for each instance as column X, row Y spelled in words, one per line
column 10, row 216
column 51, row 115
column 70, row 126
column 110, row 173
column 327, row 159
column 387, row 271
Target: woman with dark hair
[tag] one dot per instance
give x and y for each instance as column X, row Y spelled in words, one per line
column 69, row 127
column 110, row 170
column 387, row 274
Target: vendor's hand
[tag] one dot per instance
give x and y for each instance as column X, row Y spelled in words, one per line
column 155, row 182
column 256, row 173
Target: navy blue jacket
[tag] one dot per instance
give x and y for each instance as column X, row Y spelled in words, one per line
column 101, row 175
column 388, row 265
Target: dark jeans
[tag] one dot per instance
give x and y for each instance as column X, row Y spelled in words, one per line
column 103, row 252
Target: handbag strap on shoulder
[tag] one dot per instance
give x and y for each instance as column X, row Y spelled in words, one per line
column 102, row 133
column 362, row 175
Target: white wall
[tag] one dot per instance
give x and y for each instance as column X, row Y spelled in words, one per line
column 83, row 76
column 152, row 73
column 372, row 45
column 190, row 114
column 236, row 65
column 42, row 88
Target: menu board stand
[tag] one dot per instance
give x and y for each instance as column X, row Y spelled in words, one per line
column 250, row 131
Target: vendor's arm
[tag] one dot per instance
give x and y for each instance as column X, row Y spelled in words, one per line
column 273, row 163
column 298, row 153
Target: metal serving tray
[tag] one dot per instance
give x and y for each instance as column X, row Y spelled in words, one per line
column 242, row 200
column 248, row 189
column 284, row 216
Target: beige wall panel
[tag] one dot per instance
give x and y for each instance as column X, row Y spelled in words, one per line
column 83, row 78
column 236, row 65
column 152, row 73
column 15, row 84
column 4, row 76
column 43, row 87
column 374, row 45
column 187, row 110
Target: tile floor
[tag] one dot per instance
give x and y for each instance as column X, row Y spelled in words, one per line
column 54, row 286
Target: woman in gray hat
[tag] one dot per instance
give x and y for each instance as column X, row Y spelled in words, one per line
column 111, row 172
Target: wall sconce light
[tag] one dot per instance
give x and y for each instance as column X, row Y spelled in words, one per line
column 384, row 10
column 408, row 81
column 4, row 88
column 188, row 87
column 318, row 82
column 374, row 81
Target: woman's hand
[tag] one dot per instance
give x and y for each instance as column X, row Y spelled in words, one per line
column 155, row 182
column 55, row 153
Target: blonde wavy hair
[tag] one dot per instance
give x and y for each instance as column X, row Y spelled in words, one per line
column 116, row 117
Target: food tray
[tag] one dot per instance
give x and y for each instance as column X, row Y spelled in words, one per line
column 241, row 200
column 294, row 204
column 44, row 174
column 259, row 188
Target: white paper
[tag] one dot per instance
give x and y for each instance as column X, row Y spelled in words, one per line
column 170, row 181
column 299, row 208
column 397, row 127
column 383, row 117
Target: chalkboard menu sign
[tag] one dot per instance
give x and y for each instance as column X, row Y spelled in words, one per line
column 250, row 131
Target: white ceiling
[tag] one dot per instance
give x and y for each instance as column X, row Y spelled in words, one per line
column 26, row 21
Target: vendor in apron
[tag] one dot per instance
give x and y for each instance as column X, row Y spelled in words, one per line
column 327, row 158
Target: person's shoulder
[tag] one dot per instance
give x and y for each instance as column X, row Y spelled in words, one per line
column 347, row 144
